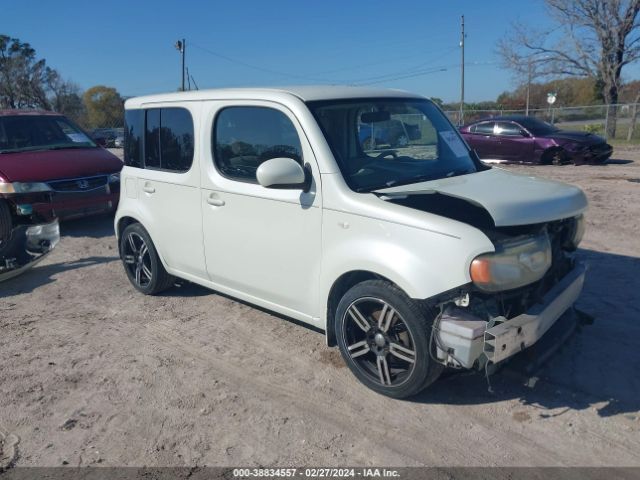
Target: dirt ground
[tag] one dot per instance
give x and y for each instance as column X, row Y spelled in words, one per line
column 92, row 372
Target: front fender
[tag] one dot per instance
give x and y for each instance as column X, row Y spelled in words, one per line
column 422, row 263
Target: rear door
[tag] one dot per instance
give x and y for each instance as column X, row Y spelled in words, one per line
column 165, row 187
column 513, row 143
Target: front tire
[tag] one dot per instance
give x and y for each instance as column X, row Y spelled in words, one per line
column 384, row 338
column 555, row 156
column 141, row 261
column 6, row 225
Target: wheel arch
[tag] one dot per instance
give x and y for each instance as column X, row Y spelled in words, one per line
column 340, row 286
column 127, row 219
column 545, row 156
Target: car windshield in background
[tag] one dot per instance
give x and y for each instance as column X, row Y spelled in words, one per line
column 537, row 127
column 380, row 143
column 21, row 133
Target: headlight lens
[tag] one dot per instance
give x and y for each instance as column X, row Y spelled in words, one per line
column 515, row 263
column 24, row 187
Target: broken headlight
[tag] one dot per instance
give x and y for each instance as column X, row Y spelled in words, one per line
column 515, row 263
column 575, row 234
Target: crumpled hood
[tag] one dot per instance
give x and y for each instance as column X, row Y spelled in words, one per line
column 575, row 136
column 510, row 199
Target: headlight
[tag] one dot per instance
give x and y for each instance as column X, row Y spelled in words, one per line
column 24, row 187
column 515, row 263
column 114, row 178
column 576, row 233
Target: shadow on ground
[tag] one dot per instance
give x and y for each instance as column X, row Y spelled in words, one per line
column 616, row 161
column 43, row 274
column 93, row 227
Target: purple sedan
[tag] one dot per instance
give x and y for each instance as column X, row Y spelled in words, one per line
column 523, row 139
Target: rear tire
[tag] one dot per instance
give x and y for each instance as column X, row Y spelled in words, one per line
column 384, row 338
column 141, row 261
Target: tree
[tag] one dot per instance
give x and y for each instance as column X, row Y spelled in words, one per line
column 104, row 106
column 65, row 98
column 588, row 38
column 23, row 78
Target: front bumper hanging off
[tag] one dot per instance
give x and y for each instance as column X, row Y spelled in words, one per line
column 463, row 338
column 29, row 245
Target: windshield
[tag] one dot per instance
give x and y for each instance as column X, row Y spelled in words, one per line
column 380, row 143
column 538, row 127
column 21, row 133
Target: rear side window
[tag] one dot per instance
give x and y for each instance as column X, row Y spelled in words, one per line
column 485, row 128
column 245, row 137
column 152, row 139
column 162, row 137
column 133, row 135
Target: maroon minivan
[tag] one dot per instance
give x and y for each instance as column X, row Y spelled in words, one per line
column 46, row 152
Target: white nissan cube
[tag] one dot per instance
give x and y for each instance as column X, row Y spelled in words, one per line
column 359, row 211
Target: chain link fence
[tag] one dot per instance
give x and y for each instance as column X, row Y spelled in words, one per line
column 591, row 118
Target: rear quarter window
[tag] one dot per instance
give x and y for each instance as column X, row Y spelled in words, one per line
column 159, row 138
column 133, row 135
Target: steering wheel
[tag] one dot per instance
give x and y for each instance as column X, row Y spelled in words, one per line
column 386, row 153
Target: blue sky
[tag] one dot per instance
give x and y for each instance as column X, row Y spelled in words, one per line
column 130, row 45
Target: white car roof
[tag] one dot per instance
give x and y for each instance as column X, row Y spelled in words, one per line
column 303, row 92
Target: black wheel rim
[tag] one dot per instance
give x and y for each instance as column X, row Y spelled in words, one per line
column 137, row 260
column 379, row 342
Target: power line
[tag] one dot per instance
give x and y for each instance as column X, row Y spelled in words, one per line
column 442, row 68
column 257, row 67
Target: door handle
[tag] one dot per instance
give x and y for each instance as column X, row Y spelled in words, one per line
column 148, row 188
column 216, row 202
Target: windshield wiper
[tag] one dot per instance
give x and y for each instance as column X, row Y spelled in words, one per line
column 397, row 183
column 460, row 171
column 67, row 147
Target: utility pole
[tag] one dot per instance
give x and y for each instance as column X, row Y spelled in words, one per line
column 181, row 46
column 461, row 116
column 528, row 86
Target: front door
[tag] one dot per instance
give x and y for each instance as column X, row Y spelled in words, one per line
column 261, row 244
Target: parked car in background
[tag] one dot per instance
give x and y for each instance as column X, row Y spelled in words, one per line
column 524, row 139
column 394, row 133
column 107, row 137
column 118, row 142
column 411, row 258
column 45, row 153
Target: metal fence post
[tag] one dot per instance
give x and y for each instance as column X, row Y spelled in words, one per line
column 606, row 123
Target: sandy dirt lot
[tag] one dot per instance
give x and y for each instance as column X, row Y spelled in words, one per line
column 93, row 373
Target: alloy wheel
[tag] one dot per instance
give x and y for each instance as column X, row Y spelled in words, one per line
column 379, row 342
column 137, row 260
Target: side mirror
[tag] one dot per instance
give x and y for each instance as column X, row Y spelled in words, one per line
column 282, row 173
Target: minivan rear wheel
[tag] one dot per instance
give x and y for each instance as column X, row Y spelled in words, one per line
column 141, row 261
column 384, row 338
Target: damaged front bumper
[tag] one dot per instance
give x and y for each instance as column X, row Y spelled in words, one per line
column 28, row 246
column 464, row 340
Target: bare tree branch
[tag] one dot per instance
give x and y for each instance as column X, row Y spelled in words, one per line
column 591, row 38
